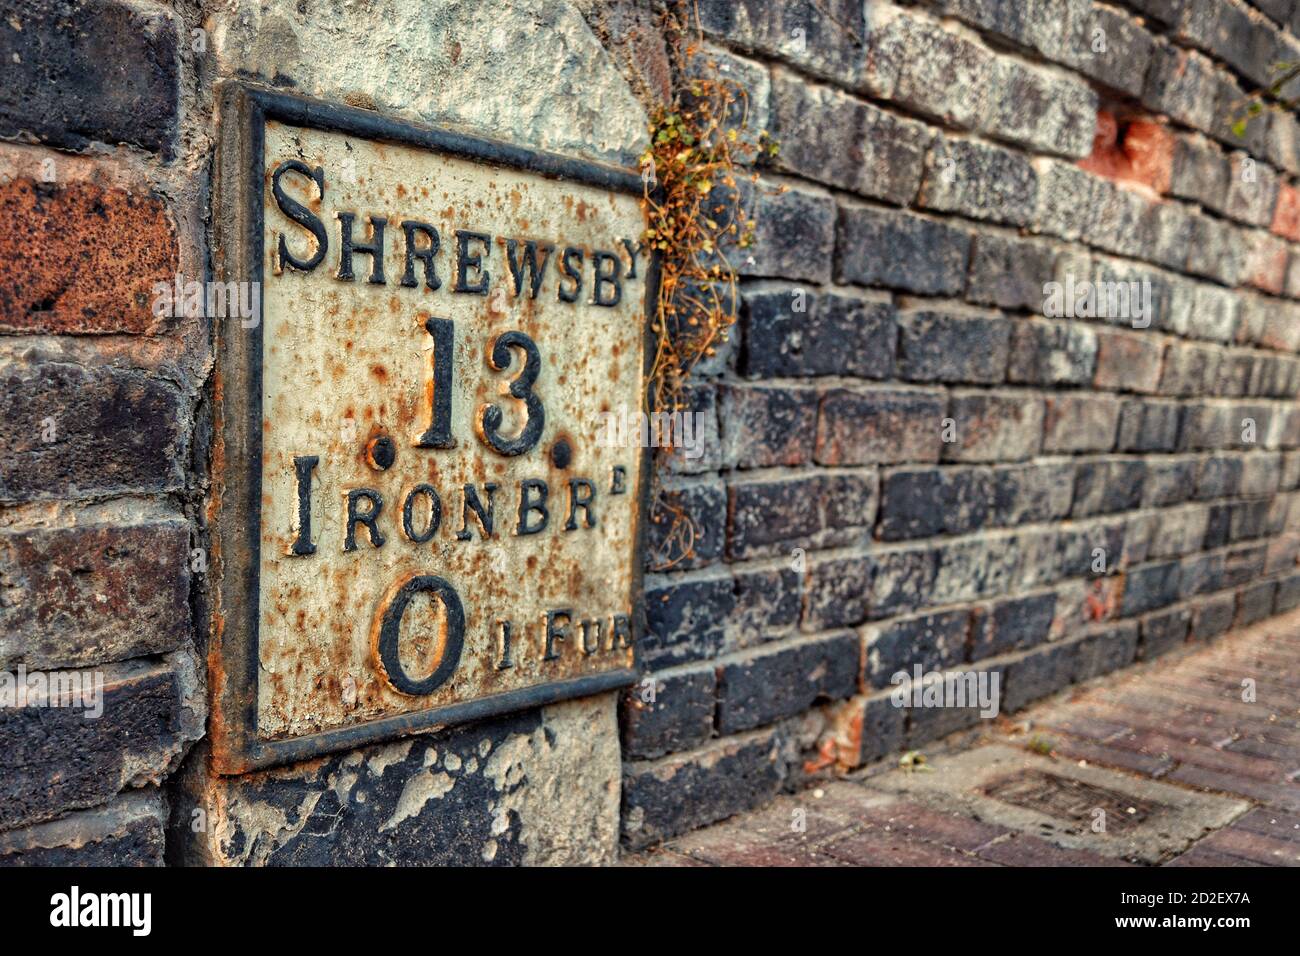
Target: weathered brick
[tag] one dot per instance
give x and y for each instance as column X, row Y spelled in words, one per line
column 965, row 499
column 1150, row 587
column 1041, row 491
column 1123, row 62
column 1218, row 477
column 129, row 831
column 1036, row 673
column 952, row 346
column 901, row 250
column 686, row 526
column 101, row 250
column 668, row 712
column 907, row 503
column 769, row 683
column 933, row 641
column 114, row 430
column 902, row 581
column 833, row 138
column 1052, row 353
column 870, row 728
column 1049, row 112
column 1104, row 651
column 83, row 70
column 679, row 793
column 1255, row 603
column 1033, row 26
column 1148, row 426
column 1128, row 361
column 882, row 425
column 1011, row 625
column 70, row 761
column 976, row 567
column 1080, row 423
column 1288, row 594
column 832, row 335
column 793, row 231
column 1164, row 631
column 994, row 426
column 827, row 29
column 1218, row 250
column 1229, row 33
column 1181, row 84
column 842, row 592
column 1201, row 574
column 1244, row 565
column 980, row 181
column 1011, row 272
column 686, row 620
column 769, row 516
column 1252, row 190
column 93, row 594
column 1190, row 370
column 766, row 426
column 1213, row 617
column 1200, row 172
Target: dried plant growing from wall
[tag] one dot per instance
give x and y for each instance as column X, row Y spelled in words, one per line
column 699, row 157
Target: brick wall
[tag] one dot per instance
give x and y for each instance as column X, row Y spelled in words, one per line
column 101, row 422
column 906, row 460
column 940, row 163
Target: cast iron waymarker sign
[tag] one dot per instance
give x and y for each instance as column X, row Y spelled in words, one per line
column 417, row 521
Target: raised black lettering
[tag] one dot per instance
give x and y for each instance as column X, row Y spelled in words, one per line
column 622, row 631
column 507, row 661
column 484, row 515
column 529, row 504
column 303, row 467
column 606, row 277
column 435, row 514
column 572, row 273
column 525, row 264
column 374, row 248
column 368, row 517
column 300, row 214
column 438, row 434
column 582, row 493
column 556, row 631
column 387, row 646
column 409, row 228
column 589, row 646
column 633, row 252
column 490, row 416
column 466, row 262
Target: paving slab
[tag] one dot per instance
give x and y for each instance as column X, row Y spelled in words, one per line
column 1144, row 820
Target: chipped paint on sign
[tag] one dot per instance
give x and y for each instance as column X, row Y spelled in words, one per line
column 441, row 520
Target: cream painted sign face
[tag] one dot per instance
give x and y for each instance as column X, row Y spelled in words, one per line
column 442, row 530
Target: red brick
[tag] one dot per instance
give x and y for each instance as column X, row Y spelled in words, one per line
column 877, row 848
column 1139, row 152
column 90, row 256
column 1149, row 149
column 1286, row 217
column 1253, row 846
column 1024, row 850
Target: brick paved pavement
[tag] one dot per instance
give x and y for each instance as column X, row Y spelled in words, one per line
column 1179, row 768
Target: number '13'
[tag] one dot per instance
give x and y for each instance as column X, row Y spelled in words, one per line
column 438, row 434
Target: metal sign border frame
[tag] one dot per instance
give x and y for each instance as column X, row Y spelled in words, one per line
column 234, row 503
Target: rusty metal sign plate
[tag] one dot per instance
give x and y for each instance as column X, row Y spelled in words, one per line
column 418, row 520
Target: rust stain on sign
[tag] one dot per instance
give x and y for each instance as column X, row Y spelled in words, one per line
column 442, row 530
